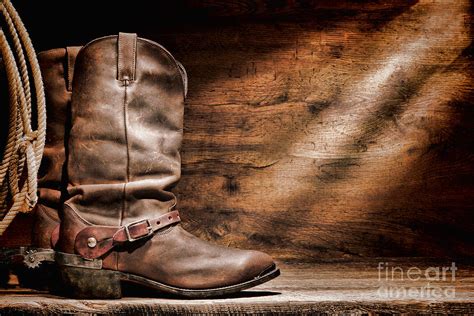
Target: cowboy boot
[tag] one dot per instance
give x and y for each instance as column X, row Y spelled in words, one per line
column 34, row 264
column 120, row 222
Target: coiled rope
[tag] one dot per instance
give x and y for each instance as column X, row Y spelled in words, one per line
column 24, row 146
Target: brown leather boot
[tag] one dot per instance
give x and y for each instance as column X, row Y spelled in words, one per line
column 57, row 69
column 120, row 222
column 57, row 66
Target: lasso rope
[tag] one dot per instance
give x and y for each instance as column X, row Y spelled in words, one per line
column 24, row 147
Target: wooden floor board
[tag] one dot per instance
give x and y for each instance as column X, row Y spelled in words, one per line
column 333, row 287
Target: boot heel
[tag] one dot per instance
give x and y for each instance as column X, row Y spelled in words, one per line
column 90, row 283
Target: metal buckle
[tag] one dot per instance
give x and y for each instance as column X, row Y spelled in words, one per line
column 127, row 230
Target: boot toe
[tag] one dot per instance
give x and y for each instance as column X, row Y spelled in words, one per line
column 255, row 264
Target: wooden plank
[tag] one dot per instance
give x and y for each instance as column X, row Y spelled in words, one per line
column 333, row 287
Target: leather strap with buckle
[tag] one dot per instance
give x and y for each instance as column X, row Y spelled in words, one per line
column 94, row 241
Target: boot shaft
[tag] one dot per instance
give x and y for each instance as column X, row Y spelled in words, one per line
column 57, row 68
column 127, row 123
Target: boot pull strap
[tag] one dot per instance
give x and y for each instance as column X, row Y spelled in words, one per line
column 71, row 54
column 94, row 241
column 126, row 57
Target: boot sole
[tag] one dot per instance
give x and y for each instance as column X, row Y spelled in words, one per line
column 106, row 284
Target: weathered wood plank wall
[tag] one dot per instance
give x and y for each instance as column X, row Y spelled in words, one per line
column 318, row 129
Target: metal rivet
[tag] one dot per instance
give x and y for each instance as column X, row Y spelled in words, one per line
column 91, row 242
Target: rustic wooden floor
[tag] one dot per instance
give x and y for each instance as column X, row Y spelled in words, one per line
column 328, row 287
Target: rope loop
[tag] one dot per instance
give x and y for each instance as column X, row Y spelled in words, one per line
column 24, row 146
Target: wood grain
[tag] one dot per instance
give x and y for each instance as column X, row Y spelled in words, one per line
column 341, row 129
column 333, row 138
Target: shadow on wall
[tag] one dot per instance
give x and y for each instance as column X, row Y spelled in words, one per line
column 52, row 25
